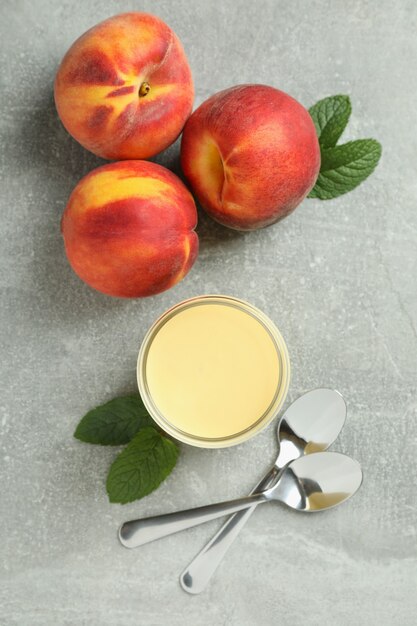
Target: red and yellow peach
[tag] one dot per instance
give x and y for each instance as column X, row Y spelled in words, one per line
column 128, row 229
column 124, row 88
column 251, row 155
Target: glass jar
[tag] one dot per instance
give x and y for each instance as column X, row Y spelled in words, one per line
column 213, row 371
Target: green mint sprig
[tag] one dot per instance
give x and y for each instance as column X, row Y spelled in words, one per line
column 343, row 167
column 149, row 456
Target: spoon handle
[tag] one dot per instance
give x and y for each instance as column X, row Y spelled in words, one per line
column 197, row 575
column 138, row 532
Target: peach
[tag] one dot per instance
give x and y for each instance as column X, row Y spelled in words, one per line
column 128, row 229
column 124, row 88
column 251, row 155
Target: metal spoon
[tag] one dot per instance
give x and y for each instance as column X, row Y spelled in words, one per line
column 311, row 483
column 311, row 423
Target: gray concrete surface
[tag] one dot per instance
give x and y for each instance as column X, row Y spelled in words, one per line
column 339, row 278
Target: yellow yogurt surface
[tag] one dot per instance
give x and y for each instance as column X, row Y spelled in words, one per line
column 212, row 370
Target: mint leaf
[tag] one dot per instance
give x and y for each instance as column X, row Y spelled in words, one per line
column 344, row 167
column 114, row 423
column 141, row 466
column 330, row 117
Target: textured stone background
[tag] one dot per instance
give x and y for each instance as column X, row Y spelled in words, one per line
column 339, row 279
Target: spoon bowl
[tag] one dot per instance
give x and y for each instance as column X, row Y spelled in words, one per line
column 310, row 424
column 316, row 482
